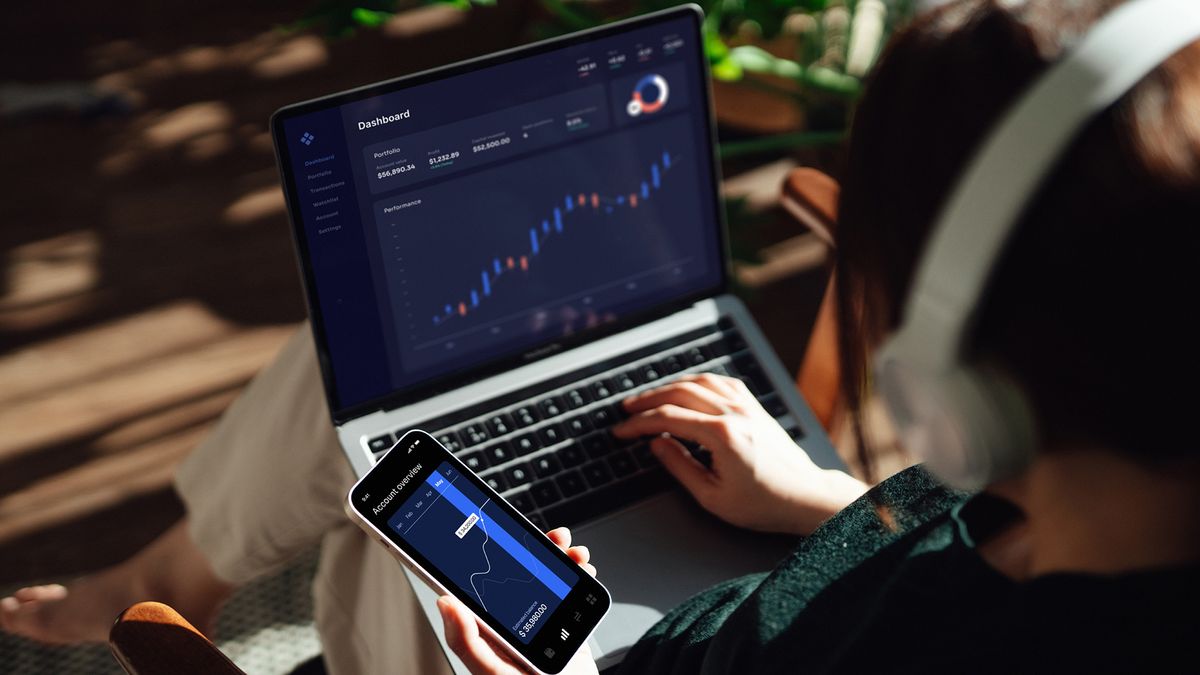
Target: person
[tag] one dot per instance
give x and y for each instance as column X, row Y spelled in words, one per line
column 1088, row 559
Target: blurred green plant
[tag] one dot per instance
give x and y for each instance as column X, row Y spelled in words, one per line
column 812, row 52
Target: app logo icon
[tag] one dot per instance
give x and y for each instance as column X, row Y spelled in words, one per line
column 649, row 96
column 307, row 138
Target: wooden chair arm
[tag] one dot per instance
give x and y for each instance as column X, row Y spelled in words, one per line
column 151, row 638
column 811, row 197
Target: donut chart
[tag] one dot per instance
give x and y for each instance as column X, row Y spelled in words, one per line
column 649, row 95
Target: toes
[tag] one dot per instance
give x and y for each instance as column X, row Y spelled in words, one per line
column 25, row 612
column 17, row 616
column 41, row 593
column 8, row 607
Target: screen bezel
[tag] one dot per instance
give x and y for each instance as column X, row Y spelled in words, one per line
column 395, row 463
column 424, row 389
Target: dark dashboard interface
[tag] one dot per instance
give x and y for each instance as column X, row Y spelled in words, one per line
column 500, row 210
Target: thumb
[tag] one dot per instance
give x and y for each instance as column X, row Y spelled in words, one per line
column 465, row 640
column 460, row 626
column 680, row 464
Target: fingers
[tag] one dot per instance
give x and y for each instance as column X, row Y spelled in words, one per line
column 685, row 394
column 679, row 463
column 702, row 428
column 561, row 537
column 721, row 384
column 462, row 635
column 580, row 554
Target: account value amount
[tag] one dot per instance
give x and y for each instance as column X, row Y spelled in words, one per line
column 395, row 170
column 494, row 143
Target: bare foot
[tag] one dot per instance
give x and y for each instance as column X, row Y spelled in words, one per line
column 170, row 570
column 60, row 615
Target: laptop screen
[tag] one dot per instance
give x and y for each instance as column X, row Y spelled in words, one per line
column 497, row 211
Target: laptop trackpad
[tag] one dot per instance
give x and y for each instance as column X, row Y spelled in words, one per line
column 660, row 553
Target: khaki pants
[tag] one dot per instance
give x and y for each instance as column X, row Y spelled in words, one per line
column 269, row 484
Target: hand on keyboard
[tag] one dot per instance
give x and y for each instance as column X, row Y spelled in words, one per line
column 754, row 475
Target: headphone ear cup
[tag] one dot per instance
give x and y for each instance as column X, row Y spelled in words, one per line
column 1001, row 425
column 971, row 424
column 926, row 420
column 968, row 426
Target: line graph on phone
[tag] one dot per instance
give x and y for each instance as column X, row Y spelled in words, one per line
column 484, row 551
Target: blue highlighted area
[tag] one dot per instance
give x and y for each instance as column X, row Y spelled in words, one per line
column 490, row 557
column 500, row 536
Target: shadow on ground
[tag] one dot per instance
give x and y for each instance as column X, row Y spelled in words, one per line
column 154, row 240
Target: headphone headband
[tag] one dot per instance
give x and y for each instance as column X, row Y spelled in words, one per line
column 969, row 424
column 1117, row 53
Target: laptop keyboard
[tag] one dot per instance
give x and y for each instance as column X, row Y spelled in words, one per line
column 547, row 448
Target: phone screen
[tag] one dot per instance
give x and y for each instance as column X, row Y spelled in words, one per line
column 475, row 544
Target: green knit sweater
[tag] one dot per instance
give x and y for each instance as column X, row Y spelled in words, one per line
column 857, row 596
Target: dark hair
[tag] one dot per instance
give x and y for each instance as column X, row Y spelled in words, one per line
column 1089, row 304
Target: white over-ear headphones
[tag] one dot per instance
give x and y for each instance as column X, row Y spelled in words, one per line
column 969, row 424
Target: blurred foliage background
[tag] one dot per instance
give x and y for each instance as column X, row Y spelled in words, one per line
column 812, row 54
column 787, row 72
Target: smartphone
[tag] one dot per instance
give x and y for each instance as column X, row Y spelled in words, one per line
column 456, row 533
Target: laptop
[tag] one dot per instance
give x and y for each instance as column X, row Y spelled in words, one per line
column 499, row 251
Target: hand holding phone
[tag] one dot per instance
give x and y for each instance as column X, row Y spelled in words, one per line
column 480, row 653
column 464, row 540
